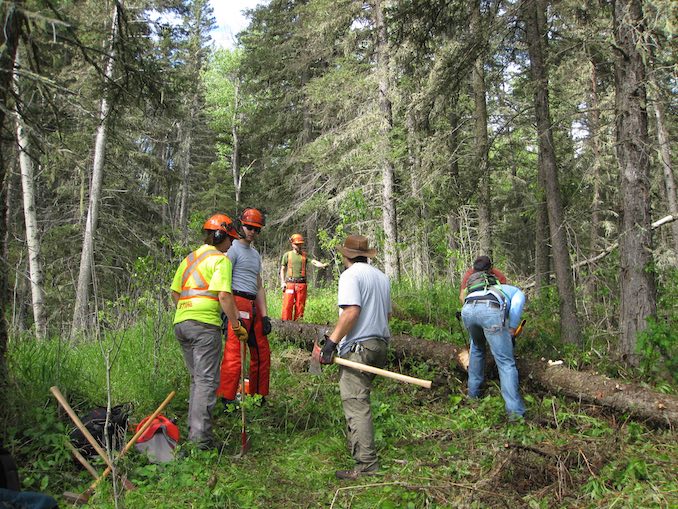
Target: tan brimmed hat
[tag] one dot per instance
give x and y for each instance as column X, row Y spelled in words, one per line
column 357, row 245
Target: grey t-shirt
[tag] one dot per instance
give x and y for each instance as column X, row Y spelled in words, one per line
column 246, row 267
column 365, row 286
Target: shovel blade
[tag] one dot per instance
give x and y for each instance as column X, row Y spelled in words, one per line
column 244, row 446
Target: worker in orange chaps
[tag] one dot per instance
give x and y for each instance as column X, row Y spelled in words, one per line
column 293, row 278
column 250, row 299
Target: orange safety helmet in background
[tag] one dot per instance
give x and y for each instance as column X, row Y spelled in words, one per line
column 297, row 238
column 253, row 217
column 221, row 223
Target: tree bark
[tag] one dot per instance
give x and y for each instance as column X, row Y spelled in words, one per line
column 534, row 14
column 35, row 268
column 481, row 142
column 390, row 222
column 541, row 247
column 620, row 397
column 80, row 310
column 638, row 292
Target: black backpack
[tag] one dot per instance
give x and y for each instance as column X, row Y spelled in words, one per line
column 95, row 422
column 480, row 280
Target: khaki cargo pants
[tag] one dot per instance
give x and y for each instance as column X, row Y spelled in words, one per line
column 355, row 387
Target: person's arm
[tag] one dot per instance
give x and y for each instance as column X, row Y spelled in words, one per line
column 464, row 280
column 347, row 320
column 282, row 276
column 260, row 301
column 318, row 264
column 515, row 310
column 227, row 303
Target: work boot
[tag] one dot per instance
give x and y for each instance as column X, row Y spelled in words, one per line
column 355, row 473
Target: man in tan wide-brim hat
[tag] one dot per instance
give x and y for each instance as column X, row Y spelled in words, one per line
column 361, row 334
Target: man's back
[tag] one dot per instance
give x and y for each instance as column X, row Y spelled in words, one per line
column 366, row 286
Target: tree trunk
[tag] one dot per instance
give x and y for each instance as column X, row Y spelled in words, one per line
column 418, row 247
column 80, row 310
column 235, row 155
column 11, row 16
column 35, row 268
column 185, row 145
column 616, row 395
column 638, row 293
column 542, row 267
column 481, row 143
column 596, row 202
column 390, row 222
column 664, row 152
column 534, row 13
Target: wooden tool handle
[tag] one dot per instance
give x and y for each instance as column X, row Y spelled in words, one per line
column 383, row 372
column 78, row 423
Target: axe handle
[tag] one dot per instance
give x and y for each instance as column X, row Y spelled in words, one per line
column 383, row 372
column 78, row 423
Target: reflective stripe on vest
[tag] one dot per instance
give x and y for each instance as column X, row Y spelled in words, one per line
column 192, row 271
column 289, row 263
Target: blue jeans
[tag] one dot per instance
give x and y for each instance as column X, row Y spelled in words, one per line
column 485, row 324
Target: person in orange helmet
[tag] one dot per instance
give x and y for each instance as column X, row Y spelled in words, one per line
column 250, row 299
column 293, row 278
column 201, row 290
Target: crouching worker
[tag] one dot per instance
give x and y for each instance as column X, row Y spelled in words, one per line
column 364, row 299
column 201, row 290
column 491, row 316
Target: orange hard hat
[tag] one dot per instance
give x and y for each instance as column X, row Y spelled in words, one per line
column 253, row 217
column 297, row 238
column 221, row 223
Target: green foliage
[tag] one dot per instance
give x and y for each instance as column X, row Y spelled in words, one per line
column 658, row 346
column 658, row 342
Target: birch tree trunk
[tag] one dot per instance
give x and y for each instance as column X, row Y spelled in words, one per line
column 390, row 222
column 481, row 142
column 80, row 311
column 638, row 292
column 35, row 267
column 534, row 14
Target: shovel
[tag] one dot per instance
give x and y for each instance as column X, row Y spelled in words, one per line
column 315, row 368
column 244, row 439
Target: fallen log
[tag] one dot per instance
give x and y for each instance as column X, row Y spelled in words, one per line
column 585, row 386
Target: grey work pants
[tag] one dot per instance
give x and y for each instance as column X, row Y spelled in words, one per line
column 201, row 344
column 355, row 387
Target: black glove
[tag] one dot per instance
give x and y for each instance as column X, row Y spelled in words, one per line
column 327, row 351
column 267, row 327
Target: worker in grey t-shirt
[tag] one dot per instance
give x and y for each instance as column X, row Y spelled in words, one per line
column 250, row 298
column 362, row 335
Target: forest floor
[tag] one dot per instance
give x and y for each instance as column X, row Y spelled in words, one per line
column 437, row 449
